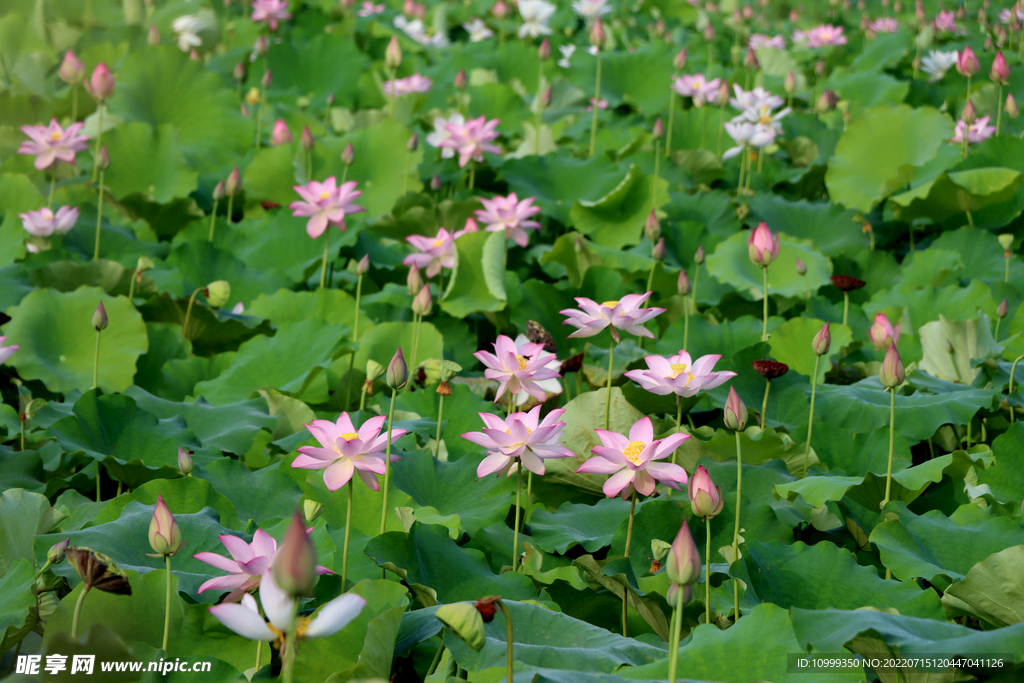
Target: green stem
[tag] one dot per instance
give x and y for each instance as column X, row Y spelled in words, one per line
column 629, row 525
column 892, row 441
column 529, row 495
column 96, row 362
column 1006, row 277
column 707, row 571
column 78, row 611
column 348, row 528
column 608, row 391
column 391, row 102
column 99, row 218
column 654, row 195
column 437, row 660
column 686, row 321
column 508, row 637
column 259, row 116
column 703, row 126
column 288, row 655
column 167, row 604
column 764, row 403
column 355, row 338
column 538, row 105
column 53, row 185
column 671, row 116
column 998, row 321
column 810, row 418
column 327, row 246
column 472, row 174
column 597, row 101
column 213, row 221
column 387, row 468
column 188, row 312
column 259, row 654
column 515, row 535
column 736, row 528
column 99, row 472
column 677, row 622
column 74, row 102
column 846, row 308
column 721, row 129
column 1013, row 369
column 743, row 166
column 231, row 203
column 99, row 138
column 440, row 412
column 650, row 282
column 679, row 422
column 764, row 334
column 999, row 107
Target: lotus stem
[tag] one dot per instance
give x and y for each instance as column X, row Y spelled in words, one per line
column 743, row 165
column 679, row 422
column 764, row 403
column 999, row 106
column 539, row 105
column 437, row 660
column 387, row 468
column 892, row 441
column 99, row 471
column 736, row 528
column 213, row 222
column 78, row 611
column 508, row 636
column 391, row 102
column 259, row 655
column 188, row 313
column 671, row 115
column 721, row 129
column 288, row 649
column 703, row 127
column 998, row 322
column 654, row 194
column 846, row 308
column 529, row 496
column 764, row 334
column 355, row 336
column 677, row 622
column 707, row 571
column 515, row 535
column 231, row 204
column 1006, row 277
column 96, row 362
column 440, row 412
column 167, row 604
column 348, row 528
column 74, row 103
column 259, row 113
column 810, row 418
column 323, row 270
column 608, row 392
column 99, row 216
column 99, row 141
column 686, row 321
column 53, row 184
column 23, row 433
column 629, row 540
column 1013, row 369
column 597, row 102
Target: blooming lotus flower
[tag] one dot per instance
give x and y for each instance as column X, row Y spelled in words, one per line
column 757, row 98
column 601, row 104
column 250, row 562
column 764, row 118
column 270, row 12
column 164, row 533
column 49, row 143
column 590, row 10
column 945, row 22
column 477, row 30
column 325, row 203
column 368, row 9
column 820, row 36
column 522, row 437
column 679, row 375
column 6, row 351
column 407, row 86
column 936, row 63
column 434, row 254
column 536, row 15
column 884, row 25
column 624, row 314
column 442, row 133
column 470, row 139
column 44, row 222
column 1008, row 16
column 244, row 618
column 746, row 134
column 698, row 87
column 510, row 215
column 882, row 333
column 632, row 461
column 761, row 40
column 763, row 245
column 567, row 53
column 705, row 497
column 551, row 386
column 517, row 368
column 979, row 131
column 345, row 451
column 416, row 30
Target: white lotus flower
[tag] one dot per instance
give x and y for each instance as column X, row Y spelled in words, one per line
column 536, row 15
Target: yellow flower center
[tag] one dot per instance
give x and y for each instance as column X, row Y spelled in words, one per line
column 437, row 243
column 522, row 362
column 301, row 627
column 348, row 436
column 55, row 136
column 610, row 304
column 633, row 451
column 678, row 368
column 325, row 195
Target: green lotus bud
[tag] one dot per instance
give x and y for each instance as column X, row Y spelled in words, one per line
column 233, row 182
column 683, row 283
column 363, row 265
column 164, row 533
column 55, row 555
column 393, row 54
column 373, row 370
column 465, row 621
column 698, row 256
column 892, row 373
column 398, row 371
column 217, row 293
column 348, row 155
column 185, row 463
column 99, row 318
column 449, row 369
column 311, row 509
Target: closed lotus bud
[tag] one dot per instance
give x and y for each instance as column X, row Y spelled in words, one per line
column 967, row 62
column 413, row 143
column 1000, row 72
column 374, row 370
column 261, row 46
column 658, row 250
column 449, row 369
column 790, row 83
column 97, row 570
column 822, row 341
column 762, row 245
column 164, row 534
column 545, row 100
column 827, row 101
column 679, row 61
column 348, row 155
column 794, row 16
column 153, row 37
column 1005, row 241
column 705, row 497
column 1002, row 309
column 544, row 51
column 363, row 265
column 393, row 54
column 892, row 373
column 281, row 135
column 240, row 72
column 311, row 509
column 306, row 139
column 398, row 372
column 683, row 565
column 500, row 10
column 709, row 33
column 460, row 80
column 185, row 463
column 422, row 304
column 698, row 256
column 219, row 191
column 658, row 131
column 194, row 55
column 659, row 29
column 465, row 621
column 413, row 281
column 969, row 114
column 436, row 184
column 294, row 563
column 101, row 83
column 750, row 60
column 882, row 333
column 233, row 183
column 652, row 228
column 735, row 414
column 217, row 293
column 801, row 267
column 55, row 555
column 819, row 68
column 597, row 35
column 71, row 70
column 103, row 160
column 99, row 318
column 1010, row 107
column 683, row 283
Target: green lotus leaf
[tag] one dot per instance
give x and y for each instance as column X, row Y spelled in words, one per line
column 730, row 264
column 147, row 160
column 617, row 219
column 477, row 281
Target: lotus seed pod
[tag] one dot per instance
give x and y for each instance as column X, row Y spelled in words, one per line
column 311, row 509
column 465, row 621
column 217, row 293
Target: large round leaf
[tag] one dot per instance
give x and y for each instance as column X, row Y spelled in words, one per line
column 731, row 264
column 147, row 160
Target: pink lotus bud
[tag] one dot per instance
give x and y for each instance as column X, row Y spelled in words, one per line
column 423, row 303
column 103, row 160
column 153, row 37
column 194, row 55
column 500, row 10
column 101, row 83
column 658, row 132
column 789, row 85
column 709, row 33
column 545, row 100
column 723, row 91
column 892, row 373
column 658, row 250
column 71, row 70
column 735, row 413
column 659, row 28
column 267, row 79
column 294, row 563
column 968, row 114
column 1000, row 72
column 363, row 266
column 219, row 192
column 99, row 318
column 436, row 184
column 471, row 225
column 597, row 35
column 393, row 54
column 409, row 8
column 679, row 61
column 413, row 143
column 819, row 68
column 240, row 72
column 1010, row 107
column 794, row 16
column 1002, row 309
column 261, row 48
column 822, row 341
column 185, row 463
column 652, row 228
column 164, row 534
column 348, row 155
column 762, row 245
column 398, row 372
column 801, row 267
column 413, row 281
column 705, row 497
column 233, row 183
column 460, row 80
column 967, row 62
column 989, row 43
column 683, row 566
column 281, row 135
column 881, row 334
column 827, row 101
column 750, row 61
column 698, row 256
column 748, row 12
column 683, row 283
column 544, row 51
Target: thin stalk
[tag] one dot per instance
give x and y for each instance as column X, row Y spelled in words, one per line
column 391, row 102
column 707, row 571
column 892, row 438
column 686, row 321
column 515, row 535
column 1006, row 277
column 998, row 321
column 99, row 218
column 167, row 604
column 736, row 528
column 78, row 612
column 597, row 100
column 764, row 333
column 677, row 623
column 529, row 495
column 99, row 472
column 721, row 128
column 259, row 115
column 846, row 308
column 96, row 362
column 703, row 127
column 650, row 284
column 53, row 186
column 231, row 206
column 743, row 166
column 679, row 422
column 288, row 653
column 629, row 525
column 355, row 338
column 23, row 434
column 323, row 270
column 608, row 394
column 213, row 222
column 387, row 468
column 693, row 300
column 119, row 484
column 348, row 527
column 654, row 195
column 508, row 637
column 99, row 141
column 472, row 174
column 999, row 106
column 764, row 403
column 437, row 660
column 810, row 419
column 538, row 105
column 1013, row 369
column 74, row 102
column 416, row 320
column 188, row 312
column 259, row 654
column 671, row 116
column 440, row 412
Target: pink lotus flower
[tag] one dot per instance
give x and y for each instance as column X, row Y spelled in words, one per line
column 6, row 351
column 679, row 375
column 325, row 203
column 434, row 254
column 602, row 104
column 624, row 314
column 52, row 142
column 511, row 215
column 471, row 139
column 697, row 87
column 44, row 222
column 407, row 86
column 249, row 563
column 821, row 36
column 368, row 9
column 519, row 437
column 945, row 22
column 761, row 40
column 884, row 25
column 442, row 133
column 270, row 11
column 763, row 245
column 979, row 131
column 881, row 334
column 345, row 451
column 517, row 369
column 631, row 461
